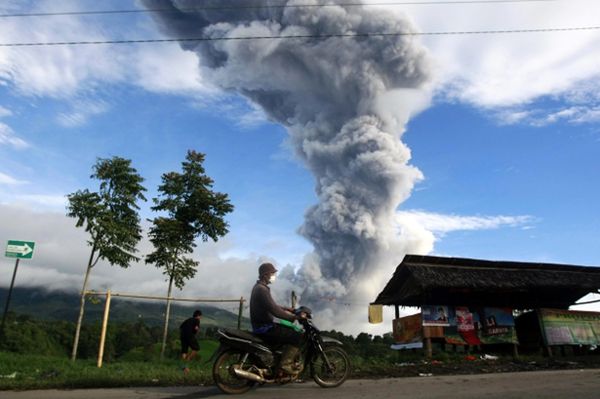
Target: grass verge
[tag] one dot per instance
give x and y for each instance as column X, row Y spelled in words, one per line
column 25, row 372
column 20, row 372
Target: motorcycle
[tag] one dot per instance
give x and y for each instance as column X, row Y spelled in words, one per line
column 244, row 360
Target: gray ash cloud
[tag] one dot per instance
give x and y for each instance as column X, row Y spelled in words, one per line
column 345, row 102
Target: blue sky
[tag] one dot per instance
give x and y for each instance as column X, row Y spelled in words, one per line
column 507, row 140
column 483, row 168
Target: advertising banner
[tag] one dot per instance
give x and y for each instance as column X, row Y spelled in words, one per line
column 407, row 332
column 471, row 326
column 436, row 315
column 569, row 327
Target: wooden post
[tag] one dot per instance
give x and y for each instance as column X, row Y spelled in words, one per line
column 397, row 311
column 515, row 351
column 428, row 348
column 294, row 300
column 240, row 313
column 103, row 332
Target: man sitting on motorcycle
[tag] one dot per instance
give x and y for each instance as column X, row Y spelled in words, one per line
column 263, row 310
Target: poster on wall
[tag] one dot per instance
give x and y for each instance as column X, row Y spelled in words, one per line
column 467, row 325
column 470, row 325
column 407, row 332
column 569, row 327
column 437, row 315
column 498, row 326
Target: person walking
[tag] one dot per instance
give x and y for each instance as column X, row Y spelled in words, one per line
column 188, row 331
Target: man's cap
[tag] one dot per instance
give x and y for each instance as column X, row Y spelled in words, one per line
column 266, row 268
column 197, row 313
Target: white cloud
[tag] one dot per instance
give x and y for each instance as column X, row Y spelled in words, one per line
column 574, row 114
column 81, row 112
column 500, row 70
column 56, row 71
column 241, row 112
column 8, row 137
column 43, row 201
column 65, row 72
column 440, row 224
column 9, row 180
column 4, row 112
column 490, row 71
column 167, row 68
column 255, row 117
column 61, row 253
column 591, row 307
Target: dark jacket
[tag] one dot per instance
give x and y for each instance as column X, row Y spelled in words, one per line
column 189, row 327
column 263, row 308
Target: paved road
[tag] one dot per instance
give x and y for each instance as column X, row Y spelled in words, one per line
column 570, row 384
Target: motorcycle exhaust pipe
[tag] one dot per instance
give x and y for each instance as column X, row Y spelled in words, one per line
column 248, row 375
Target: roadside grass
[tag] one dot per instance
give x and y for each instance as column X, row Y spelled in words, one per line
column 142, row 367
column 30, row 371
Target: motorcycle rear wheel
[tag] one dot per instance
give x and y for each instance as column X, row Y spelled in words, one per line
column 223, row 376
column 340, row 367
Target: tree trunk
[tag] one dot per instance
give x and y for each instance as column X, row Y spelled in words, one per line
column 82, row 305
column 166, row 329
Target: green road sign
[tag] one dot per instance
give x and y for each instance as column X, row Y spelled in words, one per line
column 19, row 249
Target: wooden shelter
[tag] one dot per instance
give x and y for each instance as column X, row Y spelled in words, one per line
column 420, row 280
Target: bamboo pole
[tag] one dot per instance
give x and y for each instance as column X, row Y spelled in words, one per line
column 169, row 298
column 239, row 326
column 137, row 296
column 104, row 325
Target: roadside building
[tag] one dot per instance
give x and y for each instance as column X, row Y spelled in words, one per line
column 474, row 302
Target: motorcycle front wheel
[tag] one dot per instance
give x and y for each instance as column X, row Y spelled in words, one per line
column 334, row 374
column 223, row 374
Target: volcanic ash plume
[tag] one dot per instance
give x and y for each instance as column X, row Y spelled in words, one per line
column 344, row 101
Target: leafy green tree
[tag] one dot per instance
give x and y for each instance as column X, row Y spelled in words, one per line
column 129, row 336
column 191, row 210
column 110, row 216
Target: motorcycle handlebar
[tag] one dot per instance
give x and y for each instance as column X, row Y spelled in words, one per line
column 303, row 312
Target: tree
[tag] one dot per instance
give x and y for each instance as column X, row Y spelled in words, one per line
column 193, row 210
column 110, row 216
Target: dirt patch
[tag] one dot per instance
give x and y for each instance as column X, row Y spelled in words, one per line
column 475, row 364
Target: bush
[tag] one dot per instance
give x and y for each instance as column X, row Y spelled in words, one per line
column 24, row 335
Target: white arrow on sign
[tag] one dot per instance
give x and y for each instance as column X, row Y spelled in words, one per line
column 20, row 249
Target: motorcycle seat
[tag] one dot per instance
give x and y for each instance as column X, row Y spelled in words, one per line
column 243, row 335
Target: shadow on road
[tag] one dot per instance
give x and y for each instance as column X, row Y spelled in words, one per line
column 209, row 392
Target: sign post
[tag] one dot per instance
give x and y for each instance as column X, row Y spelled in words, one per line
column 19, row 250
